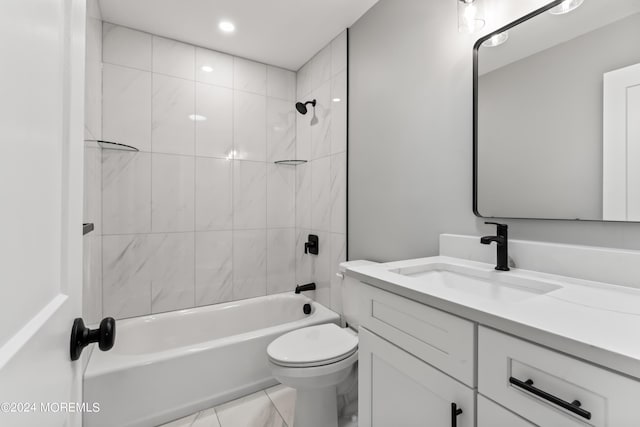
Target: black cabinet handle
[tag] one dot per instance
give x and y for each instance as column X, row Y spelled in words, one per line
column 81, row 336
column 455, row 411
column 572, row 407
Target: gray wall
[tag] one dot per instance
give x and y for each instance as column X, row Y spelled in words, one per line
column 540, row 126
column 410, row 142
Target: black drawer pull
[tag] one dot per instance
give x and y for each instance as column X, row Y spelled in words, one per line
column 572, row 407
column 455, row 411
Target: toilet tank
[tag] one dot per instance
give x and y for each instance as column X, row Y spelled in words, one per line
column 349, row 294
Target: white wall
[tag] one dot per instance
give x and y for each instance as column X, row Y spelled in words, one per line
column 410, row 141
column 321, row 183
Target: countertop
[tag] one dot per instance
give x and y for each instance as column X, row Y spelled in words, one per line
column 593, row 321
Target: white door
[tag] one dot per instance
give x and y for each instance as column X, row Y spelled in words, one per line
column 41, row 115
column 621, row 145
column 397, row 389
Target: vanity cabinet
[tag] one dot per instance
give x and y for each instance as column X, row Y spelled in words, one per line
column 398, row 389
column 416, row 361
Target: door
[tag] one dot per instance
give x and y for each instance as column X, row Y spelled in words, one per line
column 41, row 115
column 621, row 145
column 398, row 389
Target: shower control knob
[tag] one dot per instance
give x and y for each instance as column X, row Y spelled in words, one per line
column 81, row 336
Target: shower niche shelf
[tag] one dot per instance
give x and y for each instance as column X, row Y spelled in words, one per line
column 290, row 162
column 110, row 145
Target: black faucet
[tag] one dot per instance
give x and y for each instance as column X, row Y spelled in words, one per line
column 312, row 246
column 502, row 245
column 307, row 287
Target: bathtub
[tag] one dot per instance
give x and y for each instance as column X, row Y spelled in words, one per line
column 170, row 365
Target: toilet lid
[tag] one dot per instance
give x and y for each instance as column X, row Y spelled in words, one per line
column 313, row 346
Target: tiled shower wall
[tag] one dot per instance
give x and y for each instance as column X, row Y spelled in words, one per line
column 321, row 205
column 201, row 214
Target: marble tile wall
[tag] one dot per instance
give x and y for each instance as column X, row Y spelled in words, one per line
column 201, row 214
column 92, row 243
column 321, row 183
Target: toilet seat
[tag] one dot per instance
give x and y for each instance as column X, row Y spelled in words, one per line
column 313, row 346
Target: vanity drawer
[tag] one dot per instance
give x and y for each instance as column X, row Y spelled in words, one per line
column 536, row 382
column 493, row 415
column 440, row 339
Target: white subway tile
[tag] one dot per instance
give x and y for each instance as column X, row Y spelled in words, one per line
column 214, row 130
column 126, row 106
column 214, row 267
column 281, row 270
column 126, row 192
column 249, row 264
column 249, row 126
column 173, row 58
column 126, row 47
column 249, row 195
column 214, row 207
column 249, row 76
column 214, row 68
column 173, row 127
column 172, row 193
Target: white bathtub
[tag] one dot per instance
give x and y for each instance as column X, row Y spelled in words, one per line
column 169, row 365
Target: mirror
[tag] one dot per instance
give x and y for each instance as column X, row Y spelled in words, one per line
column 557, row 114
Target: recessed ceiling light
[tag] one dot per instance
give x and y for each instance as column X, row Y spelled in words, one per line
column 227, row 26
column 197, row 117
column 206, row 68
column 496, row 40
column 566, row 7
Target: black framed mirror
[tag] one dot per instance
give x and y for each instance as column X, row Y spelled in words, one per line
column 556, row 114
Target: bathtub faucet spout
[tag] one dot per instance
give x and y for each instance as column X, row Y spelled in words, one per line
column 307, row 287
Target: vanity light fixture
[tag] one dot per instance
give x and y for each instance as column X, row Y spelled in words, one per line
column 336, row 100
column 497, row 39
column 197, row 117
column 470, row 16
column 227, row 27
column 566, row 7
column 206, row 68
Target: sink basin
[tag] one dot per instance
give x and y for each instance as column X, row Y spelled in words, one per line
column 477, row 282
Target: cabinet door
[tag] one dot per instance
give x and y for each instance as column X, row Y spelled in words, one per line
column 398, row 389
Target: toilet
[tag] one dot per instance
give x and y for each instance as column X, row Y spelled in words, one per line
column 314, row 360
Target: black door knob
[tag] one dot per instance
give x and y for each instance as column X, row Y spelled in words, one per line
column 81, row 336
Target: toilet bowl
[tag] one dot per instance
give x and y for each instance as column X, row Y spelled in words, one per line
column 315, row 359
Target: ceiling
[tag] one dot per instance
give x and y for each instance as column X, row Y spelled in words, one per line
column 285, row 33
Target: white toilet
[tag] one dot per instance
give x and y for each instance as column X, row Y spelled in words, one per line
column 314, row 360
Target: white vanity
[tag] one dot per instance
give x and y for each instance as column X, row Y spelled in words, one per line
column 447, row 341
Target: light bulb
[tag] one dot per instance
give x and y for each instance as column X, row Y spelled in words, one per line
column 226, row 26
column 496, row 40
column 566, row 7
column 470, row 16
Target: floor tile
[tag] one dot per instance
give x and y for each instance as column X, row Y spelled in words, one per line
column 255, row 410
column 284, row 399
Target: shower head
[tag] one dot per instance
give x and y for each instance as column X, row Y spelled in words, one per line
column 302, row 107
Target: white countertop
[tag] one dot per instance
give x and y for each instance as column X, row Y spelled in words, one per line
column 593, row 321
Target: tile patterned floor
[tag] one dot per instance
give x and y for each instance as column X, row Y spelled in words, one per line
column 272, row 407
